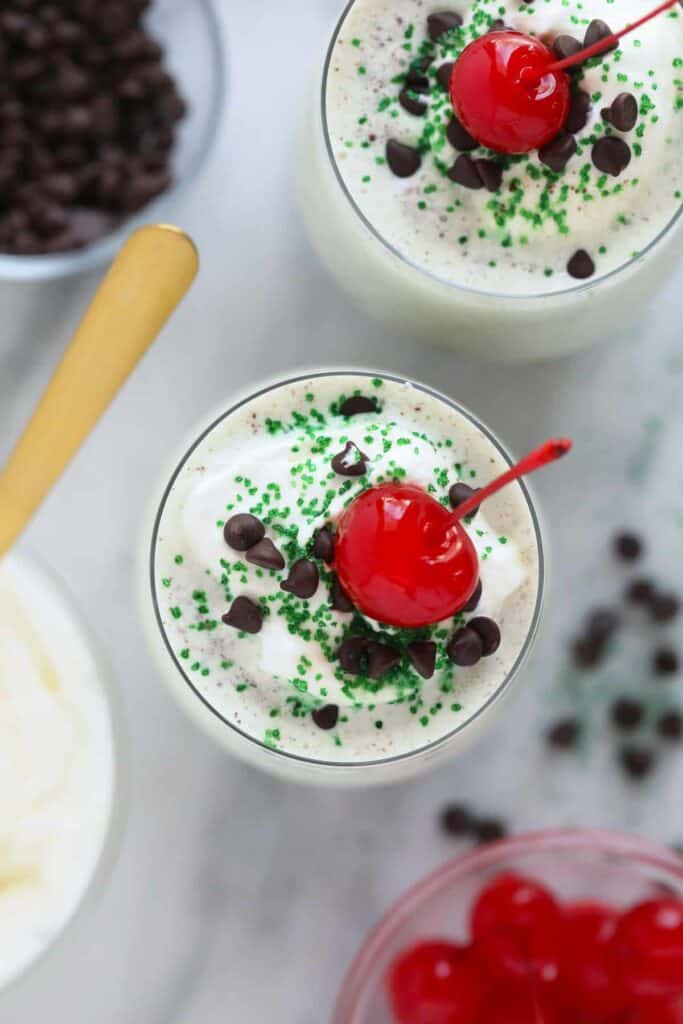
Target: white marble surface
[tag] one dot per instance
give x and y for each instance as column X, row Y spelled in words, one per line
column 236, row 898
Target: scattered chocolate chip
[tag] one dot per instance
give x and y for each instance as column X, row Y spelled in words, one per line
column 464, row 172
column 602, row 623
column 403, row 160
column 244, row 615
column 627, row 713
column 458, row 137
column 266, row 555
column 352, row 655
column 339, row 599
column 579, row 106
column 459, row 493
column 566, row 46
column 489, row 633
column 611, row 155
column 416, row 81
column 323, row 544
column 416, row 107
column 357, row 404
column 422, row 655
column 350, row 462
column 580, row 266
column 491, row 173
column 596, row 31
column 557, row 153
column 564, row 734
column 381, row 659
column 665, row 662
column 444, row 75
column 670, row 725
column 465, row 647
column 474, row 600
column 489, row 830
column 623, row 112
column 637, row 762
column 664, row 607
column 326, row 717
column 456, row 820
column 588, row 652
column 628, row 546
column 640, row 591
column 303, row 579
column 243, row 531
column 441, row 22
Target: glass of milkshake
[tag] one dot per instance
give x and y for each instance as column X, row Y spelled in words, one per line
column 60, row 785
column 252, row 629
column 508, row 257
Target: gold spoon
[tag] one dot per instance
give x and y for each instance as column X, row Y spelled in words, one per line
column 147, row 280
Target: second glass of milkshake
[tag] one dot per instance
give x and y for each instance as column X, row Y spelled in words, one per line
column 251, row 628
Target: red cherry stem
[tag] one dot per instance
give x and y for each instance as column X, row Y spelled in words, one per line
column 596, row 48
column 548, row 452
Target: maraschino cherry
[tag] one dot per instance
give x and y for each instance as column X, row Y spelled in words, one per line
column 404, row 559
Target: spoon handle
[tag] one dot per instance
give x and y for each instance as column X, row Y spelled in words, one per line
column 147, row 280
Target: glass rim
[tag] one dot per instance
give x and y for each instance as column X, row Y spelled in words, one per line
column 584, row 287
column 68, row 264
column 493, row 698
column 637, row 850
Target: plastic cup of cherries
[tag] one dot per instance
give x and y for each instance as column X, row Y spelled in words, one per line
column 569, row 927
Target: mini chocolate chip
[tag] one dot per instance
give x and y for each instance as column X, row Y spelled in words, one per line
column 465, row 647
column 403, row 160
column 640, row 591
column 474, row 600
column 441, row 22
column 628, row 546
column 664, row 607
column 339, row 599
column 266, row 555
column 244, row 615
column 458, row 137
column 326, row 717
column 602, row 623
column 566, row 46
column 416, row 107
column 416, row 81
column 422, row 655
column 665, row 662
column 381, row 659
column 588, row 652
column 357, row 404
column 557, row 153
column 303, row 579
column 564, row 734
column 456, row 820
column 243, row 531
column 596, row 31
column 444, row 75
column 464, row 172
column 611, row 155
column 637, row 762
column 580, row 266
column 323, row 543
column 489, row 830
column 623, row 112
column 670, row 725
column 345, row 464
column 579, row 107
column 488, row 631
column 458, row 493
column 627, row 713
column 352, row 654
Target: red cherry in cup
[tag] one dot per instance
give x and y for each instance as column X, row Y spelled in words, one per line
column 649, row 949
column 435, row 983
column 591, row 985
column 656, row 1011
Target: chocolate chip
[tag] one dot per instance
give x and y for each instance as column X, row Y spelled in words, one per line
column 459, row 493
column 403, row 160
column 580, row 265
column 339, row 599
column 627, row 713
column 422, row 655
column 474, row 600
column 566, row 46
column 602, row 623
column 498, row 25
column 489, row 633
column 464, row 172
column 416, row 107
column 357, row 404
column 456, row 820
column 323, row 544
column 489, row 830
column 266, row 555
column 465, row 647
column 441, row 22
column 596, row 31
column 637, row 762
column 670, row 725
column 611, row 155
column 458, row 137
column 243, row 531
column 664, row 607
column 640, row 591
column 665, row 662
column 491, row 173
column 350, row 462
column 444, row 75
column 326, row 717
column 416, row 81
column 579, row 107
column 588, row 652
column 303, row 579
column 244, row 615
column 381, row 659
column 623, row 112
column 628, row 546
column 564, row 734
column 557, row 153
column 352, row 655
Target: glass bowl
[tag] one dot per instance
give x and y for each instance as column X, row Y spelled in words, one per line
column 575, row 865
column 191, row 34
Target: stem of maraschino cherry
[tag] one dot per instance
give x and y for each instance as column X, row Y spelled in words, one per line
column 599, row 47
column 548, row 452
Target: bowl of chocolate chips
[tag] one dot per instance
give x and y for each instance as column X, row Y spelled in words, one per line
column 108, row 111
